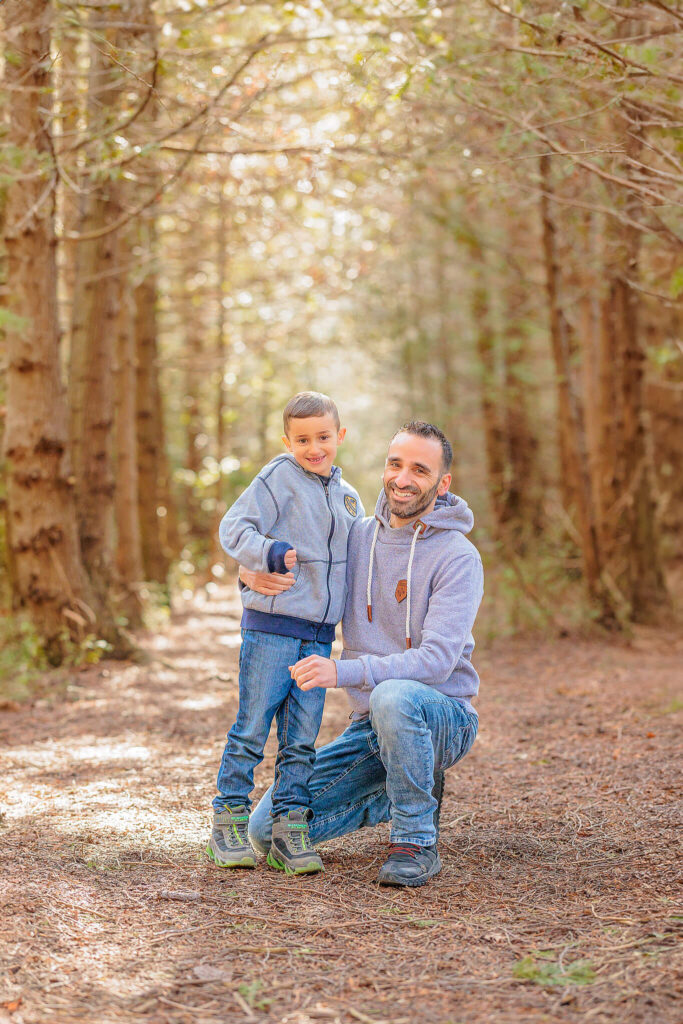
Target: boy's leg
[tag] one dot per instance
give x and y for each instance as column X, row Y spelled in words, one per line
column 347, row 789
column 298, row 723
column 264, row 682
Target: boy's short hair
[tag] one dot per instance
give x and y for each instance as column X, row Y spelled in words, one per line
column 421, row 429
column 309, row 403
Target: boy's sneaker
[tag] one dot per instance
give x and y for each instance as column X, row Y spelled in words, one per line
column 291, row 849
column 229, row 845
column 410, row 865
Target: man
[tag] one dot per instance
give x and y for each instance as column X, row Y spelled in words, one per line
column 414, row 586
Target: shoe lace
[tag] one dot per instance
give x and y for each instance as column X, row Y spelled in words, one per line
column 408, row 849
column 298, row 838
column 237, row 834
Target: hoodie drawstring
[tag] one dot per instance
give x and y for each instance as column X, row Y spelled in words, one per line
column 419, row 527
column 372, row 559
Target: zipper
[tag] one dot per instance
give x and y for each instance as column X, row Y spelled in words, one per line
column 326, row 488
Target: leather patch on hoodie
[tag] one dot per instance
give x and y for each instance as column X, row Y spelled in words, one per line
column 401, row 590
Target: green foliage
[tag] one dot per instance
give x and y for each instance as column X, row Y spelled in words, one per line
column 542, row 968
column 250, row 992
column 11, row 322
column 25, row 656
column 676, row 283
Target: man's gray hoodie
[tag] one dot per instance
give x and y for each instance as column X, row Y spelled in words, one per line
column 428, row 568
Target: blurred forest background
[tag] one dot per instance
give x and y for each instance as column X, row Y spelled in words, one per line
column 466, row 212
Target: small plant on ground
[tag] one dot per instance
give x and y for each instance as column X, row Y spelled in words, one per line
column 542, row 968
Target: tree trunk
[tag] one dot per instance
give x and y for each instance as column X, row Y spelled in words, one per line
column 630, row 530
column 128, row 546
column 150, row 452
column 521, row 505
column 96, row 291
column 485, row 341
column 48, row 578
column 216, row 554
column 575, row 479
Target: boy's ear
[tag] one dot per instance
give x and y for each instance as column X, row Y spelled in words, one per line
column 285, row 441
column 341, row 434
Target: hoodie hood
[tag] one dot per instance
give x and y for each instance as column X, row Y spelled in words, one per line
column 450, row 513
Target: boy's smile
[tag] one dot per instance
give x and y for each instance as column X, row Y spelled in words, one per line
column 313, row 441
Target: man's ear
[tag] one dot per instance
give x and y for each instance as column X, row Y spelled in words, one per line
column 444, row 484
column 285, row 441
column 341, row 434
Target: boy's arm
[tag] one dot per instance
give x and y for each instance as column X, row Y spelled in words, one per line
column 244, row 526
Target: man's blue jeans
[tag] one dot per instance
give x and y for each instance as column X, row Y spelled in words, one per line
column 267, row 691
column 382, row 767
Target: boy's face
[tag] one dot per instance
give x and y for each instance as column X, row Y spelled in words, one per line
column 313, row 441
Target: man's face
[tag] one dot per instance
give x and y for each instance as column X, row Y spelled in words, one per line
column 413, row 477
column 313, row 441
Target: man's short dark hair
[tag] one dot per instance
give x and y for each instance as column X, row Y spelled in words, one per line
column 421, row 429
column 309, row 403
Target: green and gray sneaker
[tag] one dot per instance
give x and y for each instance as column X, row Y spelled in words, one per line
column 229, row 845
column 291, row 849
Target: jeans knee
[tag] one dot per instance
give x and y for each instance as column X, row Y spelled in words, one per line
column 390, row 703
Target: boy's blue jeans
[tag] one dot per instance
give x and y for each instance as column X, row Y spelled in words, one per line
column 267, row 691
column 382, row 767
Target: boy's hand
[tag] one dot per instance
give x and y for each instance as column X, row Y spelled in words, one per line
column 314, row 671
column 290, row 558
column 270, row 583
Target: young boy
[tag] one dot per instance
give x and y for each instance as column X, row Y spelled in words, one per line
column 295, row 517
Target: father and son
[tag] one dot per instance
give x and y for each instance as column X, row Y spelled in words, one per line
column 406, row 585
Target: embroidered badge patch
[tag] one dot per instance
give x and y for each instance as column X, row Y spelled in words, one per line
column 351, row 504
column 401, row 590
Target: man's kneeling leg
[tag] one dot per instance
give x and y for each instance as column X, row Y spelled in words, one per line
column 420, row 732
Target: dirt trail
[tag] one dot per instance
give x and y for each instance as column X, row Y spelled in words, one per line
column 556, row 902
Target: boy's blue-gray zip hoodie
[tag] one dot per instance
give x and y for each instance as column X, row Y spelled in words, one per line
column 286, row 507
column 413, row 594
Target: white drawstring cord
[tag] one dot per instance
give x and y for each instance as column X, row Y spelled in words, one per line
column 419, row 527
column 372, row 558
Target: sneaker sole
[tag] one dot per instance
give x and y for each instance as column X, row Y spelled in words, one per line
column 279, row 865
column 412, row 883
column 246, row 862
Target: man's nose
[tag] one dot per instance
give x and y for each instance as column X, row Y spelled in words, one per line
column 403, row 479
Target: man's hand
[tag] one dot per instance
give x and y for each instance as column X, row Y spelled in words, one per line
column 314, row 671
column 290, row 558
column 270, row 583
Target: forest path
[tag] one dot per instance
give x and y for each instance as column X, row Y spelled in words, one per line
column 555, row 903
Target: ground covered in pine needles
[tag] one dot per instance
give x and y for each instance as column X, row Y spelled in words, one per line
column 556, row 901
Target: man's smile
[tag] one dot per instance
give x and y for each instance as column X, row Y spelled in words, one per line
column 402, row 493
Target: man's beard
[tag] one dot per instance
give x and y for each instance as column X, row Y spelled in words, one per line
column 413, row 508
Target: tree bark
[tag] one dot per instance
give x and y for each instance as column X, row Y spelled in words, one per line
column 630, row 531
column 48, row 579
column 150, row 451
column 575, row 479
column 216, row 554
column 96, row 291
column 128, row 546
